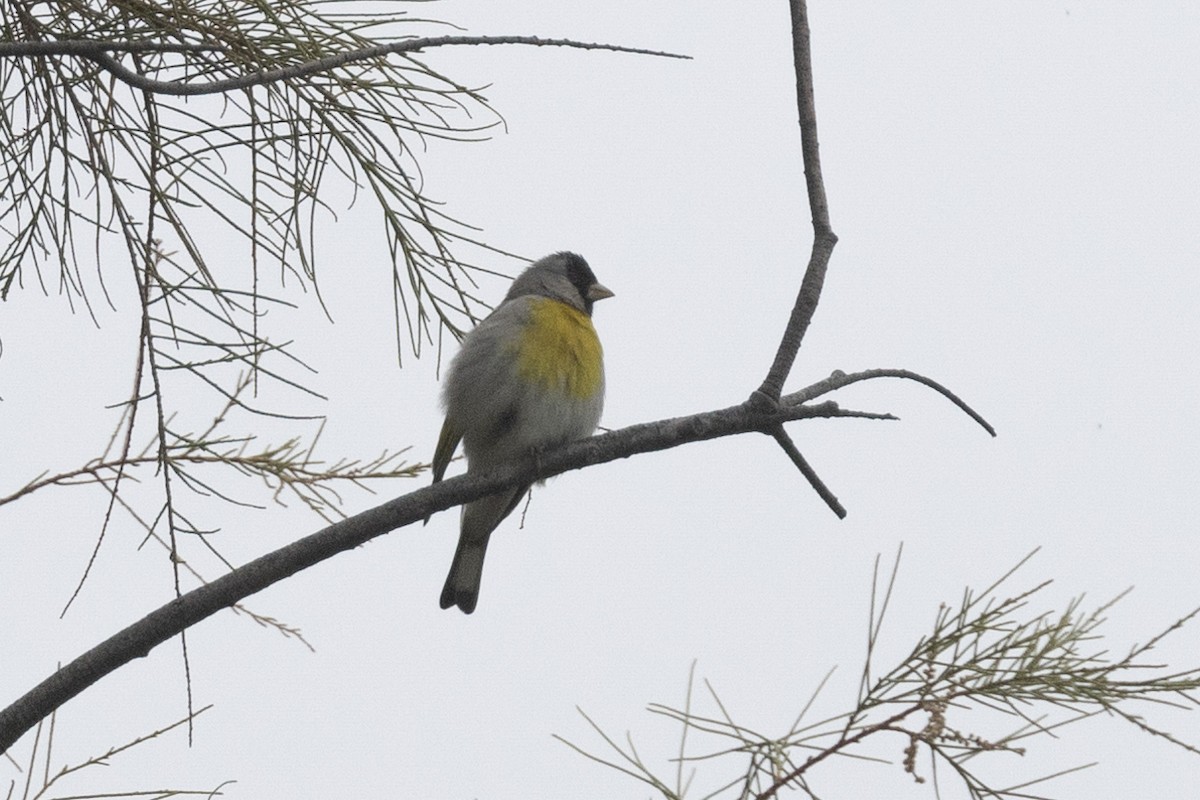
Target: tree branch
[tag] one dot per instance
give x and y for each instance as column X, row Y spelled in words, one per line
column 843, row 744
column 814, row 480
column 823, row 236
column 840, row 379
column 101, row 53
column 88, row 48
column 160, row 625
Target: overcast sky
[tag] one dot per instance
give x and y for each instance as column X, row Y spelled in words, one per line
column 1015, row 191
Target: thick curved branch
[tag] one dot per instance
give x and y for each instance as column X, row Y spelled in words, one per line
column 157, row 627
column 101, row 54
column 140, row 638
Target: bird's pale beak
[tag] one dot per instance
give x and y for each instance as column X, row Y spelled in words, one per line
column 598, row 291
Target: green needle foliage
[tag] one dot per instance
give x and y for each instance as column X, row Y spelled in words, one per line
column 95, row 167
column 989, row 659
column 120, row 183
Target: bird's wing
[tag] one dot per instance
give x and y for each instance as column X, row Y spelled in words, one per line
column 447, row 444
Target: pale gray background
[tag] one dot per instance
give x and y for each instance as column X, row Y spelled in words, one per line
column 1015, row 190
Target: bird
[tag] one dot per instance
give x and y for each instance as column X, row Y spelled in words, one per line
column 529, row 377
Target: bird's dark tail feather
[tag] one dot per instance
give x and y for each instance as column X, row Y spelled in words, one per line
column 479, row 519
column 466, row 571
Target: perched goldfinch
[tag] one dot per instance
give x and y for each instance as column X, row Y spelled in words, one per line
column 529, row 377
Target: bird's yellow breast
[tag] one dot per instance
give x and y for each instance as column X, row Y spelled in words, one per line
column 559, row 349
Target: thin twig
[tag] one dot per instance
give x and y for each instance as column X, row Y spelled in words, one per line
column 842, row 744
column 100, row 53
column 841, row 379
column 814, row 480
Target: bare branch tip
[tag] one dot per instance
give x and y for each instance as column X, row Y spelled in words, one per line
column 785, row 441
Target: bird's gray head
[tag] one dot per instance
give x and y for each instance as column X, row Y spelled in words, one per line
column 562, row 276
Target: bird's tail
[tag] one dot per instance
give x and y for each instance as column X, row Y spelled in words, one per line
column 466, row 571
column 479, row 519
